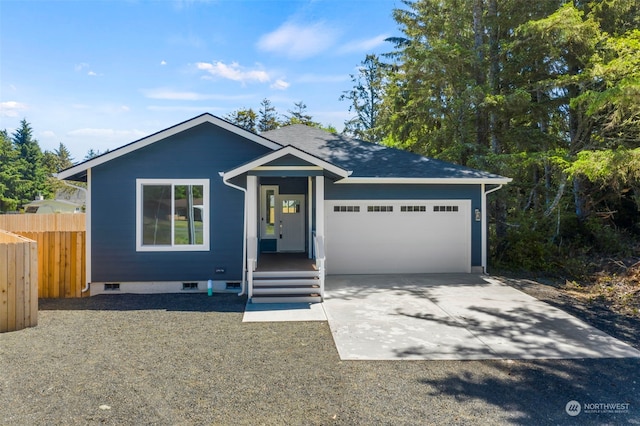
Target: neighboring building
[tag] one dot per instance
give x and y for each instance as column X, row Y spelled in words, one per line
column 42, row 206
column 206, row 200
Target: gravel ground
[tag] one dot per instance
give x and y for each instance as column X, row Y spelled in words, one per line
column 187, row 359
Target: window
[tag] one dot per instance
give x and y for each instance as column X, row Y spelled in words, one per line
column 290, row 206
column 172, row 215
column 413, row 208
column 379, row 208
column 269, row 209
column 350, row 209
column 445, row 208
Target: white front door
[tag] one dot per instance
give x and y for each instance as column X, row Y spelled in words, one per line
column 289, row 215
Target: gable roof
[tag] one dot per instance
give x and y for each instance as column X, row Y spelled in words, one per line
column 79, row 171
column 354, row 160
column 282, row 152
column 376, row 163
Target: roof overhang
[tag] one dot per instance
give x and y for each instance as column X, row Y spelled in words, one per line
column 79, row 171
column 261, row 164
column 498, row 180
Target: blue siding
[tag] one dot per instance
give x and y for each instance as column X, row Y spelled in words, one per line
column 416, row 192
column 199, row 153
column 289, row 160
column 293, row 185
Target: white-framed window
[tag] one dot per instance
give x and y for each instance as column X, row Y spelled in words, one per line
column 172, row 214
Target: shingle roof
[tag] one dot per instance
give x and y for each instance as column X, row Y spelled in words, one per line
column 367, row 159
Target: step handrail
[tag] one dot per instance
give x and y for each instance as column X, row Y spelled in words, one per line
column 252, row 261
column 318, row 248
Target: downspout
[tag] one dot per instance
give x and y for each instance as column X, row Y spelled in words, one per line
column 86, row 196
column 484, row 224
column 244, row 235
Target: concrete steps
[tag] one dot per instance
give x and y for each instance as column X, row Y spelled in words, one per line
column 286, row 287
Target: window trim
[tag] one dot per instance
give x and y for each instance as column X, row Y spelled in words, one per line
column 205, row 246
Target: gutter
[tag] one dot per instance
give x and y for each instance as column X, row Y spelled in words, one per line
column 494, row 189
column 243, row 284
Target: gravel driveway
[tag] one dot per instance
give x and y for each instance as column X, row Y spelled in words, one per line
column 187, row 359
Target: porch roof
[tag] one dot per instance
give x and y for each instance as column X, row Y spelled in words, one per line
column 288, row 160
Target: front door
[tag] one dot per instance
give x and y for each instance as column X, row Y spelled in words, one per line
column 289, row 215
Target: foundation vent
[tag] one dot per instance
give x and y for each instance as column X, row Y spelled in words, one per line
column 189, row 286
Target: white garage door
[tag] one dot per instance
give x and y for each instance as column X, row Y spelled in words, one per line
column 391, row 236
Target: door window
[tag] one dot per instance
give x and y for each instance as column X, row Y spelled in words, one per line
column 290, row 206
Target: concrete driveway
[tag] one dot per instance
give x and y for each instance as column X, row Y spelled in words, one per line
column 455, row 317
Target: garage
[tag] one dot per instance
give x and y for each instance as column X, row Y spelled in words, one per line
column 398, row 236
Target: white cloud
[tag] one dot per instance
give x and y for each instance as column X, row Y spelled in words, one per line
column 48, row 134
column 12, row 108
column 363, row 45
column 299, row 41
column 234, row 72
column 280, row 85
column 92, row 73
column 163, row 62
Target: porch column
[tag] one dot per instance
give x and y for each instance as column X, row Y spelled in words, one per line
column 320, row 206
column 251, row 210
column 310, row 217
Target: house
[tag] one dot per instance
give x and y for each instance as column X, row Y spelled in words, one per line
column 206, row 203
column 42, row 206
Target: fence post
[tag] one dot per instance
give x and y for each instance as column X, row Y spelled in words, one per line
column 18, row 282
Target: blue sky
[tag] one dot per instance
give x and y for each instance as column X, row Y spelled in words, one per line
column 100, row 74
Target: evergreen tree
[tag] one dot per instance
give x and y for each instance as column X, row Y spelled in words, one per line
column 92, row 153
column 9, row 174
column 245, row 118
column 546, row 94
column 366, row 99
column 299, row 115
column 267, row 117
column 54, row 162
column 33, row 175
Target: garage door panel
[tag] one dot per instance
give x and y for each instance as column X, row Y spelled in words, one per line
column 422, row 239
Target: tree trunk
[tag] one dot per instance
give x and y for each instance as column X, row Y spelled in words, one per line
column 482, row 119
column 494, row 70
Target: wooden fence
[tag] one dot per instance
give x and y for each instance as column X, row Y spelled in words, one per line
column 61, row 240
column 18, row 282
column 43, row 222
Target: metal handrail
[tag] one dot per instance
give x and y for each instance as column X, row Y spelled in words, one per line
column 318, row 248
column 252, row 261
